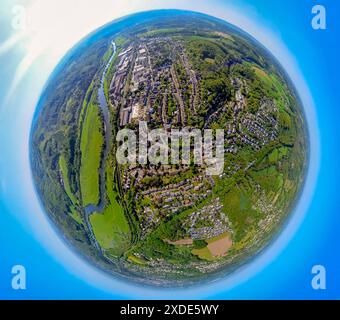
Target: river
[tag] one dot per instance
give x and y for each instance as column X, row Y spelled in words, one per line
column 91, row 208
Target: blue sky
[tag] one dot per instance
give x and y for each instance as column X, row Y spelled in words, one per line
column 284, row 271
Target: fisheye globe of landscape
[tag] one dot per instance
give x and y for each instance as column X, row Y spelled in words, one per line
column 169, row 223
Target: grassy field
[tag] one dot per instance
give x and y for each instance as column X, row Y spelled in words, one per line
column 64, row 171
column 91, row 147
column 135, row 259
column 203, row 253
column 240, row 210
column 111, row 227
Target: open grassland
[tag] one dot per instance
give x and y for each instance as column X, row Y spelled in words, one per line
column 111, row 227
column 91, row 147
column 203, row 253
column 135, row 259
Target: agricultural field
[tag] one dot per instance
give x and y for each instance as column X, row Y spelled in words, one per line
column 91, row 147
